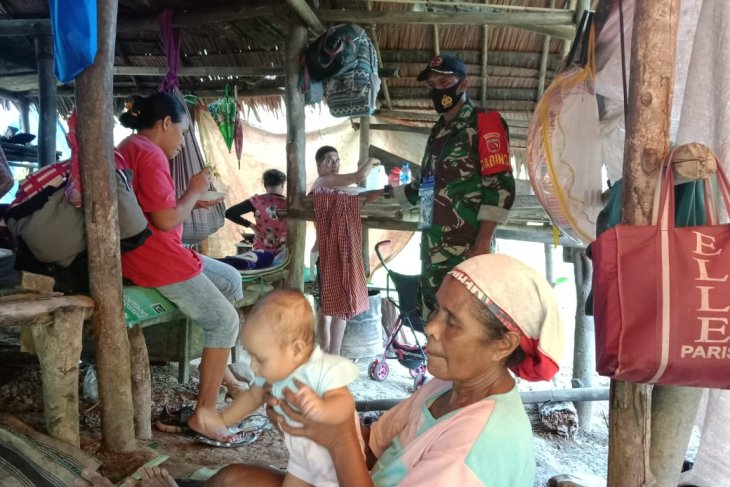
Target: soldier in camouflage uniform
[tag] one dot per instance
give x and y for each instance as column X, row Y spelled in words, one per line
column 467, row 155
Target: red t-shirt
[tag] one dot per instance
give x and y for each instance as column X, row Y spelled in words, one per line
column 162, row 259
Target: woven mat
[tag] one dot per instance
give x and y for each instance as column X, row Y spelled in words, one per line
column 29, row 458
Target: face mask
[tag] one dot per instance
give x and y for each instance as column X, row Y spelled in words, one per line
column 444, row 99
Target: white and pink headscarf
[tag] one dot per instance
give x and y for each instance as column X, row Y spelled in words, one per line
column 523, row 301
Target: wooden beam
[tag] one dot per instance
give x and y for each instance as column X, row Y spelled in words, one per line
column 436, row 41
column 501, row 94
column 47, row 106
column 25, row 27
column 307, row 15
column 497, row 58
column 296, row 140
column 584, row 352
column 485, row 53
column 557, row 24
column 96, row 153
column 13, row 96
column 543, row 62
column 196, row 18
column 126, row 92
column 243, row 71
column 647, row 140
column 470, row 6
column 394, row 128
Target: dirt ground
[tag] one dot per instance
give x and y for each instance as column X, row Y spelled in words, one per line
column 21, row 396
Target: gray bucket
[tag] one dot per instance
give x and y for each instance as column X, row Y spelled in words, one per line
column 363, row 333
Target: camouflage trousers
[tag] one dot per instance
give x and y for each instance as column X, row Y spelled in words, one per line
column 437, row 259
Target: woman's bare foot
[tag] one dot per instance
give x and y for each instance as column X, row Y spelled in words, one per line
column 155, row 477
column 209, row 423
column 144, row 477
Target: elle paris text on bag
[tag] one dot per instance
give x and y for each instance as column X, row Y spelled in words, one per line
column 662, row 292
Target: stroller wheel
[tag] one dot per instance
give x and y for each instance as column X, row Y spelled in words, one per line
column 378, row 371
column 416, row 371
column 419, row 381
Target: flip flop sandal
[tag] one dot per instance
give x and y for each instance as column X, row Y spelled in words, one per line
column 236, row 440
column 175, row 420
column 253, row 424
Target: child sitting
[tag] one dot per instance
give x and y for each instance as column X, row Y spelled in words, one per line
column 279, row 336
column 270, row 229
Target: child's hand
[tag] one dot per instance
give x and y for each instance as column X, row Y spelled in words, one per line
column 310, row 403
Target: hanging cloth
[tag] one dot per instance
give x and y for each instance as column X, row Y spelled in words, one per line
column 189, row 161
column 238, row 132
column 343, row 290
column 224, row 111
column 74, row 36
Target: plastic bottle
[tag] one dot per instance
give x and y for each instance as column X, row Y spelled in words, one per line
column 405, row 174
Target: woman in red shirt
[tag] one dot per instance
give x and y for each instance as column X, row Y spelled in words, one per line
column 201, row 287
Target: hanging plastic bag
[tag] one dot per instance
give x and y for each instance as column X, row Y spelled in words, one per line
column 224, row 111
column 90, row 388
column 564, row 144
column 238, row 132
column 74, row 36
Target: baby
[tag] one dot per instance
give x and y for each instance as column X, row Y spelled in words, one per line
column 279, row 336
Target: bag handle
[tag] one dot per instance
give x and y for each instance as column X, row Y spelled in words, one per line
column 663, row 208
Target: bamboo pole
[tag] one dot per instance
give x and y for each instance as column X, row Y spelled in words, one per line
column 584, row 355
column 567, row 43
column 295, row 153
column 485, row 54
column 24, row 112
column 436, row 41
column 307, row 15
column 95, row 126
column 47, row 114
column 543, row 61
column 650, row 99
column 364, row 148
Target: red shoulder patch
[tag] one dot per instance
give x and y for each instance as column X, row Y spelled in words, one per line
column 493, row 144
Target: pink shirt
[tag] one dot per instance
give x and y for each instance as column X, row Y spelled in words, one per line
column 271, row 233
column 162, row 259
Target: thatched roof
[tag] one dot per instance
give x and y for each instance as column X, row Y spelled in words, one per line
column 242, row 43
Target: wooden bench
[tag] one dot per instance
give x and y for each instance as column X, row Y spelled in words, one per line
column 56, row 323
column 144, row 307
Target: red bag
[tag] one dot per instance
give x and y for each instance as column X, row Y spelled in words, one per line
column 662, row 296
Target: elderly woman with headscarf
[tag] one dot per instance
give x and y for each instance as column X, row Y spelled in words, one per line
column 467, row 426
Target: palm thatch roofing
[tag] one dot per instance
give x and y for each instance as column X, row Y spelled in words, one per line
column 242, row 43
column 512, row 50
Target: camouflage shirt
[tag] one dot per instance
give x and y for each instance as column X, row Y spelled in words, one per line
column 463, row 197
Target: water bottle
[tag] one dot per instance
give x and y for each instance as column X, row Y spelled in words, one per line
column 405, row 174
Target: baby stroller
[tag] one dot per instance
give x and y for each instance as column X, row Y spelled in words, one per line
column 409, row 356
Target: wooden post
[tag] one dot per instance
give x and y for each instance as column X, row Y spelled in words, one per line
column 96, row 122
column 59, row 349
column 141, row 383
column 295, row 153
column 24, row 113
column 364, row 148
column 47, row 112
column 647, row 139
column 549, row 264
column 584, row 355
